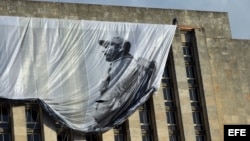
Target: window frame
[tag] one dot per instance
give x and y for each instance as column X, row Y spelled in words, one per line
column 120, row 132
column 93, row 137
column 64, row 135
column 6, row 128
column 194, row 82
column 147, row 127
column 37, row 128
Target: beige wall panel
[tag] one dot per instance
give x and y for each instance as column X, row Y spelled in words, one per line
column 19, row 123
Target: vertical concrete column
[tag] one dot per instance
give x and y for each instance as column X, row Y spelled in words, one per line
column 135, row 127
column 183, row 91
column 160, row 116
column 49, row 128
column 209, row 101
column 19, row 123
column 108, row 136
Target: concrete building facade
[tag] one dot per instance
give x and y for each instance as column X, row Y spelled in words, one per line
column 206, row 83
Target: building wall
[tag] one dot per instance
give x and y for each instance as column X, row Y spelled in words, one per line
column 228, row 89
column 216, row 23
column 225, row 78
column 224, row 65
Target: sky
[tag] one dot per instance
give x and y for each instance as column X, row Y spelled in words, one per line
column 238, row 10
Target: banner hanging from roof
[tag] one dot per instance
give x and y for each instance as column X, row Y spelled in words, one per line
column 91, row 75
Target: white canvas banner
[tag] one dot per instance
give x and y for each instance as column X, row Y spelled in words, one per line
column 91, row 75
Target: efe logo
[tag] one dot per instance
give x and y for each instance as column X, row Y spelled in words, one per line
column 237, row 132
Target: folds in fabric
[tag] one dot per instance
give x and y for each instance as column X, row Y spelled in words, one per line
column 91, row 75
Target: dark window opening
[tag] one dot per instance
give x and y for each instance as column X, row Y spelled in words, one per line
column 197, row 117
column 192, row 69
column 170, row 100
column 147, row 137
column 200, row 138
column 171, row 118
column 146, row 122
column 120, row 132
column 93, row 137
column 64, row 135
column 5, row 125
column 33, row 123
column 173, row 138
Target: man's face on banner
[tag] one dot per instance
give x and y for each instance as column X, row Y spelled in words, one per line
column 113, row 51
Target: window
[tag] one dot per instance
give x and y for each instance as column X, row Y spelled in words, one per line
column 171, row 119
column 193, row 93
column 189, row 53
column 166, row 72
column 147, row 137
column 190, row 71
column 195, row 103
column 173, row 138
column 144, row 118
column 197, row 117
column 166, row 81
column 170, row 101
column 199, row 128
column 5, row 137
column 93, row 137
column 4, row 117
column 120, row 132
column 120, row 137
column 33, row 123
column 64, row 135
column 34, row 137
column 168, row 96
column 200, row 138
column 146, row 122
column 167, row 92
column 5, row 131
column 166, row 76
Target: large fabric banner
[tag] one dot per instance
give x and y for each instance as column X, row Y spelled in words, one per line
column 91, row 75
